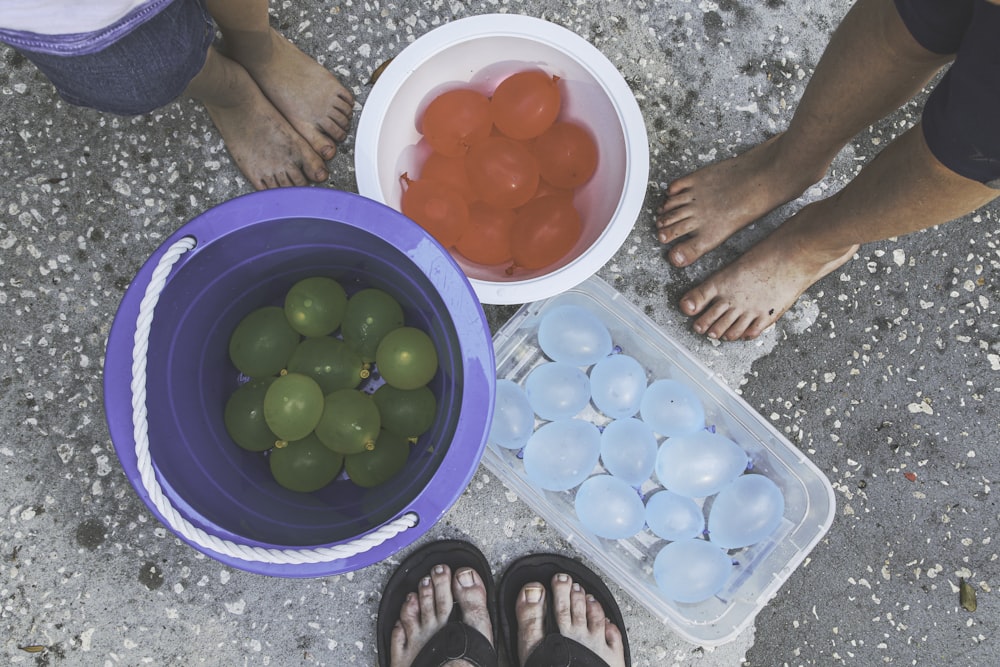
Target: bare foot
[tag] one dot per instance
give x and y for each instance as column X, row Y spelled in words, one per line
column 268, row 151
column 749, row 295
column 426, row 611
column 317, row 105
column 578, row 616
column 711, row 204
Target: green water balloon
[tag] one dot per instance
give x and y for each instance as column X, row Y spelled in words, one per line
column 376, row 466
column 315, row 306
column 305, row 465
column 293, row 406
column 244, row 416
column 262, row 342
column 406, row 358
column 350, row 422
column 370, row 315
column 406, row 412
column 331, row 362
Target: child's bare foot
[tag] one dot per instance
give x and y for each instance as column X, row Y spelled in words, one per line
column 749, row 295
column 427, row 610
column 268, row 151
column 316, row 104
column 578, row 617
column 711, row 204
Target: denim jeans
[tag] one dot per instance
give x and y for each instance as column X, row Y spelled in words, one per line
column 142, row 62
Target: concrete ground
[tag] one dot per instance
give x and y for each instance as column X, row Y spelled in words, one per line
column 885, row 375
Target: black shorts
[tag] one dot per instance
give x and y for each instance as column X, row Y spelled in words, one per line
column 961, row 120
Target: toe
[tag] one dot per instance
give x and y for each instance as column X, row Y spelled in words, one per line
column 469, row 592
column 697, row 299
column 530, row 614
column 710, row 315
column 561, row 601
column 596, row 619
column 727, row 319
column 578, row 605
column 441, row 591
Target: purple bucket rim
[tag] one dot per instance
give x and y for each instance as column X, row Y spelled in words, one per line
column 478, row 387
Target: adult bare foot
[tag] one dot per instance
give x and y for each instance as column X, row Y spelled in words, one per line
column 268, row 151
column 313, row 100
column 426, row 611
column 578, row 617
column 709, row 205
column 749, row 295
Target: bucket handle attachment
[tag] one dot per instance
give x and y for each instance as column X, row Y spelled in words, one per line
column 169, row 513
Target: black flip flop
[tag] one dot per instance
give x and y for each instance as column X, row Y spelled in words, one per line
column 456, row 639
column 555, row 650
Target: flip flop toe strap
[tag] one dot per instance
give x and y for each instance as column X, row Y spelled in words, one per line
column 558, row 651
column 454, row 641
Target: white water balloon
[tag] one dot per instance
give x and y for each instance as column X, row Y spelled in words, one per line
column 672, row 408
column 573, row 334
column 745, row 512
column 691, row 570
column 609, row 507
column 513, row 417
column 700, row 464
column 617, row 383
column 561, row 454
column 674, row 517
column 628, row 450
column 557, row 390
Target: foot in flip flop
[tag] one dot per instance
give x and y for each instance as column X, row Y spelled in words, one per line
column 444, row 617
column 570, row 619
column 579, row 616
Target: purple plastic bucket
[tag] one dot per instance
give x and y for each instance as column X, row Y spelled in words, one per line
column 164, row 399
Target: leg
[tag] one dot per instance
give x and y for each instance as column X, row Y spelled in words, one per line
column 427, row 611
column 904, row 189
column 578, row 616
column 268, row 151
column 871, row 66
column 316, row 104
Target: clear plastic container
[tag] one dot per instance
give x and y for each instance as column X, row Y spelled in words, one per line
column 759, row 570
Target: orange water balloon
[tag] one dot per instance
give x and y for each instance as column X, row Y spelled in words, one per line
column 456, row 120
column 487, row 238
column 545, row 230
column 437, row 208
column 546, row 189
column 449, row 171
column 526, row 104
column 503, row 172
column 567, row 155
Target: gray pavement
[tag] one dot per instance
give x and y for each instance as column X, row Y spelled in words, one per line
column 885, row 374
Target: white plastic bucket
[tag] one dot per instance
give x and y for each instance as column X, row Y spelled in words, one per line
column 479, row 52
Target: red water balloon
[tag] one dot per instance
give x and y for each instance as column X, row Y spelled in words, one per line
column 526, row 104
column 455, row 120
column 545, row 230
column 487, row 238
column 448, row 171
column 503, row 172
column 567, row 155
column 437, row 208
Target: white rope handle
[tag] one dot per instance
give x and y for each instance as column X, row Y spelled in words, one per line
column 167, row 511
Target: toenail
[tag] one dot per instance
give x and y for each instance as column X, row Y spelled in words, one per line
column 465, row 579
column 562, row 577
column 576, row 588
column 678, row 257
column 322, row 175
column 532, row 594
column 591, row 598
column 425, row 582
column 439, row 569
